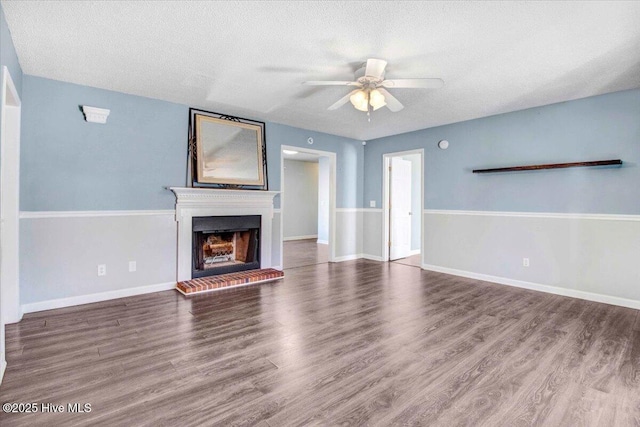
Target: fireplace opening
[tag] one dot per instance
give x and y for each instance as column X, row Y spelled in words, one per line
column 225, row 244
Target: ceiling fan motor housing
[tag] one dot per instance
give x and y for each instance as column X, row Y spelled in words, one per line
column 367, row 81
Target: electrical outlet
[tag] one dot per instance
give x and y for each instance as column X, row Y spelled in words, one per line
column 525, row 262
column 132, row 266
column 102, row 270
column 372, row 203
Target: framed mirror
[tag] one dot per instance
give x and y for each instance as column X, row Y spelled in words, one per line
column 229, row 152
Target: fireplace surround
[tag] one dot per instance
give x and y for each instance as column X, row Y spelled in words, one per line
column 206, row 202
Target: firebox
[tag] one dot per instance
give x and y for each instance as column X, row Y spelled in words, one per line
column 225, row 244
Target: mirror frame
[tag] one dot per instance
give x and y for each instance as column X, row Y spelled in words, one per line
column 196, row 146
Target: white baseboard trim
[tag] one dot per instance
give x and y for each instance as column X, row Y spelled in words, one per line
column 415, row 252
column 310, row 236
column 358, row 256
column 323, row 242
column 574, row 293
column 101, row 296
column 347, row 258
column 13, row 319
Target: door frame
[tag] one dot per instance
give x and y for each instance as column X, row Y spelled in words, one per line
column 332, row 197
column 10, row 111
column 386, row 221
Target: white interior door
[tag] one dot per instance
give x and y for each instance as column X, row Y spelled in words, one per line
column 400, row 211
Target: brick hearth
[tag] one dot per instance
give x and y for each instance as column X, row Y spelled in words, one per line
column 212, row 283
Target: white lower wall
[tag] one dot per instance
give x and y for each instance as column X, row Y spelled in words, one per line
column 59, row 255
column 372, row 241
column 593, row 257
column 348, row 234
column 586, row 256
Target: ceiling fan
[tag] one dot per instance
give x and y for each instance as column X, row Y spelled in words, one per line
column 371, row 93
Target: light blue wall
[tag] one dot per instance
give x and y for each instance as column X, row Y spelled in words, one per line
column 596, row 128
column 68, row 164
column 8, row 55
column 350, row 158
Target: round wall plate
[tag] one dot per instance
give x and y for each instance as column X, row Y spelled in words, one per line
column 310, row 140
column 444, row 144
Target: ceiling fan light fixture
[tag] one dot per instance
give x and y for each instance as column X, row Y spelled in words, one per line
column 362, row 107
column 376, row 99
column 360, row 100
column 371, row 93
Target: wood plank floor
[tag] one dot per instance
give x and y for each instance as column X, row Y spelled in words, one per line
column 301, row 253
column 355, row 343
column 413, row 260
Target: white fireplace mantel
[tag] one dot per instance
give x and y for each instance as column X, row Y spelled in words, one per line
column 213, row 202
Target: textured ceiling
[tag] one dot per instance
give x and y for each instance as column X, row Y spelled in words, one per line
column 250, row 58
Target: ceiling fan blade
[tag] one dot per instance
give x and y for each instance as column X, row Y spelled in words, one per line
column 342, row 100
column 375, row 68
column 414, row 83
column 331, row 83
column 392, row 103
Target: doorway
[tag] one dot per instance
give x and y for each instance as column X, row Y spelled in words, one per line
column 307, row 201
column 403, row 202
column 9, row 209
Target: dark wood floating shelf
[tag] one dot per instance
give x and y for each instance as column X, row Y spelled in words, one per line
column 551, row 166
